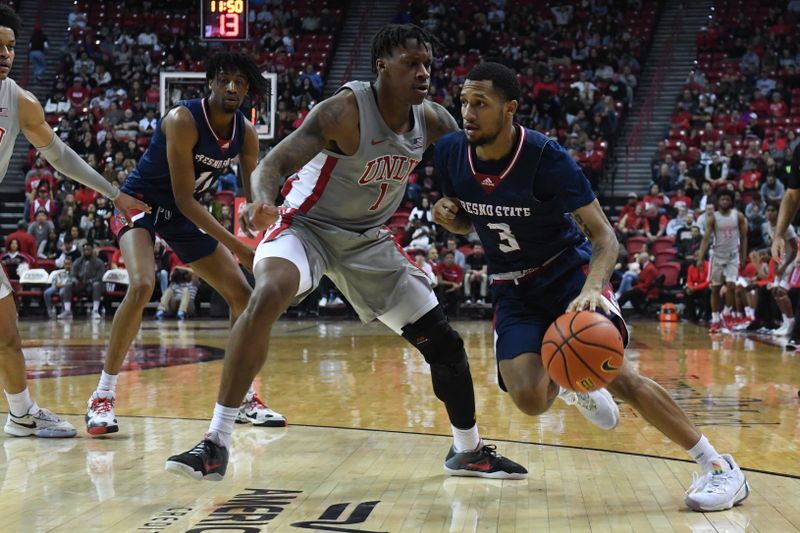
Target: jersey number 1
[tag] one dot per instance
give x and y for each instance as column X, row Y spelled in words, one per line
column 374, row 206
column 508, row 243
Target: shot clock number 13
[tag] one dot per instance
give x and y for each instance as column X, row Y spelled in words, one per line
column 223, row 20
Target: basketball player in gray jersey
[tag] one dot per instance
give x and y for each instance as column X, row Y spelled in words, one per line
column 351, row 159
column 729, row 252
column 20, row 111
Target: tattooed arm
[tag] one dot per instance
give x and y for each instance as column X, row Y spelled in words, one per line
column 605, row 249
column 438, row 121
column 332, row 124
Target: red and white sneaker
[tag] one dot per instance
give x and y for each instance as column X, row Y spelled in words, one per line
column 100, row 417
column 256, row 412
column 742, row 324
column 718, row 327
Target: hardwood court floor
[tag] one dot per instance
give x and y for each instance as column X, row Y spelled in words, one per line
column 366, row 440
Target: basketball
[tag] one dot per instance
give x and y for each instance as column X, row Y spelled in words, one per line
column 582, row 351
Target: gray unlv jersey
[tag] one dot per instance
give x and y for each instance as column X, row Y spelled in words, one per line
column 9, row 122
column 360, row 191
column 726, row 235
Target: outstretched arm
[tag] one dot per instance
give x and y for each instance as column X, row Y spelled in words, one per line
column 605, row 249
column 64, row 159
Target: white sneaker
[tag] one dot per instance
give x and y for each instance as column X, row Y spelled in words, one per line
column 718, row 492
column 100, row 417
column 336, row 301
column 598, row 407
column 256, row 412
column 96, row 315
column 39, row 422
column 784, row 330
column 323, row 302
column 65, row 315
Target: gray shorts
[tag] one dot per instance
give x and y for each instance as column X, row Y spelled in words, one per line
column 724, row 270
column 372, row 272
column 5, row 285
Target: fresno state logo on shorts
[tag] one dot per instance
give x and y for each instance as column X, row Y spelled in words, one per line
column 387, row 167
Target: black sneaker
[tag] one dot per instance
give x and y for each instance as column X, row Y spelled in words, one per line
column 483, row 462
column 208, row 460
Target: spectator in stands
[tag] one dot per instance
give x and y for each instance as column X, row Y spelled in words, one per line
column 41, row 227
column 458, row 255
column 87, row 273
column 99, row 234
column 704, row 199
column 61, row 278
column 645, row 286
column 422, row 211
column 630, row 204
column 655, row 224
column 165, row 259
column 68, row 250
column 77, row 18
column 48, row 248
column 688, row 246
column 179, row 297
column 12, row 259
column 451, row 278
column 310, row 74
column 772, row 190
column 27, row 241
column 656, row 197
column 43, row 202
column 680, row 221
column 77, row 94
column 147, row 125
column 37, row 44
column 227, row 180
column 420, row 236
column 628, row 278
column 632, row 224
column 716, row 172
column 681, row 199
column 697, row 293
column 476, row 277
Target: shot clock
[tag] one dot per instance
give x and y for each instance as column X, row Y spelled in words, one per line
column 223, row 20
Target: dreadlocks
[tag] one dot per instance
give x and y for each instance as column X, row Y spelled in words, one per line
column 9, row 19
column 230, row 62
column 394, row 36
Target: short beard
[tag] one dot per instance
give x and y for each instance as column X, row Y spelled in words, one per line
column 483, row 140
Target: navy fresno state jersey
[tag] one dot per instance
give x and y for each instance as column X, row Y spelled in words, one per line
column 211, row 155
column 519, row 205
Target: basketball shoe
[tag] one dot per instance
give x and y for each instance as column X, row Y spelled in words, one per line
column 39, row 422
column 256, row 412
column 100, row 417
column 718, row 490
column 483, row 462
column 208, row 460
column 598, row 407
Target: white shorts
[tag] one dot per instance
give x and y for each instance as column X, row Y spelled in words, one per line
column 723, row 270
column 5, row 285
column 395, row 308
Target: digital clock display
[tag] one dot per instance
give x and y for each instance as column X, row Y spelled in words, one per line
column 223, row 20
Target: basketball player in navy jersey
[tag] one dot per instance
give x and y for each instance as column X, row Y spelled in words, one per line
column 192, row 145
column 349, row 163
column 21, row 111
column 550, row 249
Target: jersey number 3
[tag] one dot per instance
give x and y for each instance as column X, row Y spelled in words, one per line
column 508, row 243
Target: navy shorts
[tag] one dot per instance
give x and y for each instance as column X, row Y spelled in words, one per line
column 523, row 312
column 181, row 234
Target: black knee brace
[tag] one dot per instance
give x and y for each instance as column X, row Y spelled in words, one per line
column 439, row 343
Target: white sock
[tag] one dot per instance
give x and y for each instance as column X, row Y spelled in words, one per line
column 108, row 382
column 786, row 319
column 20, row 403
column 707, row 457
column 95, row 307
column 250, row 393
column 67, row 306
column 465, row 440
column 748, row 311
column 715, row 317
column 726, row 310
column 221, row 425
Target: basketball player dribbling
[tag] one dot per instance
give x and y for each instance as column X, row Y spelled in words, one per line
column 20, row 111
column 352, row 157
column 191, row 146
column 728, row 253
column 550, row 249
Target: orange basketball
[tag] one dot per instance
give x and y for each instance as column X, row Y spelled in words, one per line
column 582, row 351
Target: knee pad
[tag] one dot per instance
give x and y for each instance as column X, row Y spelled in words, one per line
column 439, row 343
